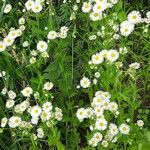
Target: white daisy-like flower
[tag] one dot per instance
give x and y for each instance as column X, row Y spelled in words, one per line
column 35, row 120
column 32, row 60
column 29, row 4
column 8, row 41
column 140, row 123
column 98, row 101
column 81, row 114
column 124, row 128
column 12, row 34
column 37, row 7
column 36, row 111
column 97, row 74
column 95, row 16
column 85, row 82
column 113, row 106
column 104, row 143
column 52, row 35
column 7, row 8
column 40, row 133
column 134, row 65
column 14, row 121
column 86, row 7
column 47, row 106
column 42, row 46
column 21, row 21
column 11, row 94
column 112, row 55
column 64, row 29
column 25, row 44
column 93, row 142
column 126, row 28
column 27, row 91
column 98, row 136
column 97, row 59
column 134, row 17
column 10, row 103
column 99, row 7
column 48, row 86
column 45, row 116
column 113, row 129
column 103, row 53
column 4, row 122
column 2, row 46
column 101, row 124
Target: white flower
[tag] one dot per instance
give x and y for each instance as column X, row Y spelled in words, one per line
column 36, row 111
column 27, row 91
column 8, row 41
column 95, row 16
column 34, row 120
column 93, row 142
column 95, row 81
column 99, row 7
column 64, row 29
column 47, row 106
column 85, row 82
column 113, row 129
column 14, row 121
column 7, row 8
column 45, row 116
column 10, row 103
column 29, row 4
column 32, row 60
column 92, row 37
column 101, row 124
column 98, row 136
column 124, row 128
column 103, row 53
column 112, row 55
column 97, row 59
column 4, row 122
column 134, row 17
column 2, row 74
column 42, row 46
column 22, row 27
column 4, row 91
column 140, row 123
column 2, row 46
column 12, row 34
column 134, row 65
column 86, row 7
column 58, row 114
column 62, row 35
column 52, row 35
column 113, row 106
column 21, row 21
column 81, row 114
column 104, row 143
column 25, row 44
column 123, row 50
column 97, row 74
column 126, row 28
column 148, row 14
column 40, row 133
column 45, row 55
column 11, row 94
column 48, row 86
column 37, row 7
column 98, row 101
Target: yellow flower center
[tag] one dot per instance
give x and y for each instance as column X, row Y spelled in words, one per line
column 1, row 46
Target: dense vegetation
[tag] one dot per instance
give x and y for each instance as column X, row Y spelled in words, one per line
column 74, row 75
